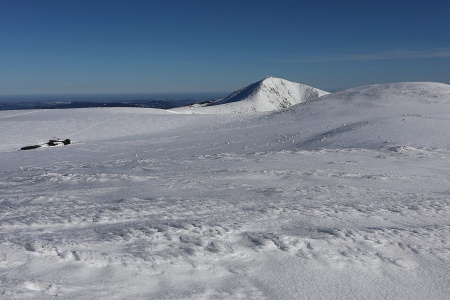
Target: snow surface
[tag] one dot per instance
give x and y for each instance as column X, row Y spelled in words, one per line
column 265, row 95
column 343, row 197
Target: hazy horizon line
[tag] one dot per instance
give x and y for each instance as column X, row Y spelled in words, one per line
column 105, row 97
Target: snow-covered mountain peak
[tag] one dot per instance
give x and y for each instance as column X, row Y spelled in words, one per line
column 268, row 94
column 273, row 93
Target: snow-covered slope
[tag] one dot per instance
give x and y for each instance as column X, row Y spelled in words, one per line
column 343, row 197
column 425, row 92
column 269, row 94
column 410, row 113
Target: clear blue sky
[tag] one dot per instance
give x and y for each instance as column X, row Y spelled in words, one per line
column 177, row 46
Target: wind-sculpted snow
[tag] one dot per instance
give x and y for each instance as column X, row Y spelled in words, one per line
column 344, row 197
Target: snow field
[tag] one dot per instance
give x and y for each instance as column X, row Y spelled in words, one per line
column 169, row 206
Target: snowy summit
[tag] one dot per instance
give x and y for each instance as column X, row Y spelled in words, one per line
column 269, row 94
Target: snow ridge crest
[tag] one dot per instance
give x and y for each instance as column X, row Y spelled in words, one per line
column 272, row 93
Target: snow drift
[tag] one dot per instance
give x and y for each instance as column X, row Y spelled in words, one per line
column 269, row 94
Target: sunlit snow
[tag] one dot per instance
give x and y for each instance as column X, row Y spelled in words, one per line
column 346, row 196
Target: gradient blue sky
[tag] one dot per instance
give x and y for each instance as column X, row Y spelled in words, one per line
column 178, row 46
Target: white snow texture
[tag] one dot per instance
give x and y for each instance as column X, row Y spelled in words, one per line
column 278, row 191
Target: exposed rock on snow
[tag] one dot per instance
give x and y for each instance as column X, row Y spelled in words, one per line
column 50, row 143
